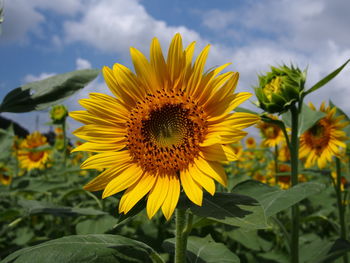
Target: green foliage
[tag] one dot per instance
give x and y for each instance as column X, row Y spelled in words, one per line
column 44, row 93
column 307, row 118
column 204, row 250
column 229, row 208
column 326, row 79
column 275, row 200
column 85, row 248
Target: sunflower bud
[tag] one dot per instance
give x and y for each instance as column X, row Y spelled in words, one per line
column 280, row 88
column 58, row 114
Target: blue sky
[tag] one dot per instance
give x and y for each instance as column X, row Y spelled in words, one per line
column 43, row 37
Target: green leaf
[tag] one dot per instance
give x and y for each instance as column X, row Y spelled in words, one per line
column 229, row 208
column 275, row 256
column 99, row 225
column 324, row 251
column 6, row 142
column 39, row 185
column 33, row 207
column 85, row 248
column 250, row 239
column 326, row 79
column 274, row 199
column 307, row 118
column 341, row 112
column 204, row 250
column 41, row 94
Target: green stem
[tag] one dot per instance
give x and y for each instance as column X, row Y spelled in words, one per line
column 340, row 206
column 294, row 150
column 276, row 164
column 180, row 238
column 64, row 142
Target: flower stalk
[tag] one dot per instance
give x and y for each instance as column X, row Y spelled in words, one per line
column 183, row 229
column 294, row 152
column 341, row 207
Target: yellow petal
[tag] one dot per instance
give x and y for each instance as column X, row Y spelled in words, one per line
column 192, row 189
column 202, row 179
column 158, row 62
column 176, row 58
column 106, row 160
column 218, row 153
column 103, row 179
column 125, row 179
column 212, row 169
column 143, row 69
column 157, row 195
column 128, row 81
column 138, row 190
column 117, row 90
column 87, row 118
column 99, row 147
column 172, row 197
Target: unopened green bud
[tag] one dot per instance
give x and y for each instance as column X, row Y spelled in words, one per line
column 58, row 114
column 280, row 88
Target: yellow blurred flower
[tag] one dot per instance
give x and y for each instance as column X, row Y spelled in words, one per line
column 323, row 140
column 32, row 152
column 250, row 143
column 271, row 133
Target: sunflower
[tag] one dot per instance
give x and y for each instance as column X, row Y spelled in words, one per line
column 170, row 125
column 324, row 139
column 250, row 143
column 272, row 134
column 31, row 153
column 5, row 179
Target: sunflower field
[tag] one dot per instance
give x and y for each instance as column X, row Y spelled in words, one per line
column 166, row 171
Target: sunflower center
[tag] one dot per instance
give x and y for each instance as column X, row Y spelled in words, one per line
column 318, row 136
column 36, row 156
column 272, row 132
column 167, row 126
column 164, row 132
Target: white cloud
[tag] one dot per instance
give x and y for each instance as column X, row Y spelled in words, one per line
column 22, row 17
column 113, row 26
column 82, row 63
column 31, row 78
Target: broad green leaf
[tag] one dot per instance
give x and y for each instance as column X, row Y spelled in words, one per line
column 319, row 250
column 6, row 142
column 229, row 208
column 274, row 199
column 326, row 79
column 307, row 118
column 341, row 112
column 41, row 94
column 99, row 225
column 37, row 207
column 250, row 239
column 85, row 248
column 204, row 250
column 275, row 256
column 39, row 185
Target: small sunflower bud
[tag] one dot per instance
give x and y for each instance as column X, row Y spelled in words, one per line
column 58, row 114
column 280, row 88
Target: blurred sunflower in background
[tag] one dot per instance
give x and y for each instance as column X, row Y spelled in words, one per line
column 169, row 125
column 271, row 133
column 324, row 139
column 5, row 178
column 32, row 153
column 250, row 143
